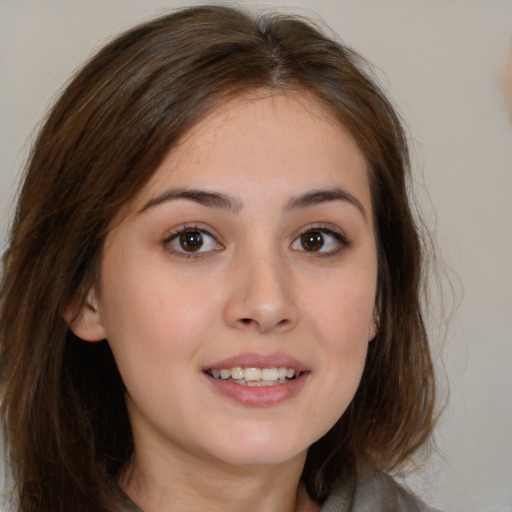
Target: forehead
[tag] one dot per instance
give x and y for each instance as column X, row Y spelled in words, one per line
column 264, row 144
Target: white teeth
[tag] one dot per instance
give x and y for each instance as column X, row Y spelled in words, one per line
column 283, row 372
column 252, row 373
column 237, row 373
column 258, row 383
column 261, row 383
column 269, row 374
column 255, row 376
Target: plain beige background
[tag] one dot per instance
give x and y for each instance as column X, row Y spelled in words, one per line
column 439, row 60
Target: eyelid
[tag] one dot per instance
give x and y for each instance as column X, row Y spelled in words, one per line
column 335, row 232
column 326, row 229
column 187, row 228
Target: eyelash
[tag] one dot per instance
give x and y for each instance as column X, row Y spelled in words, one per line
column 183, row 231
column 340, row 239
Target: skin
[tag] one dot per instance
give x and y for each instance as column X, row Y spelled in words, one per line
column 251, row 288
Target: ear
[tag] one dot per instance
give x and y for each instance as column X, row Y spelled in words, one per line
column 373, row 328
column 84, row 319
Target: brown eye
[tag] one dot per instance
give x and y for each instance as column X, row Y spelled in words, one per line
column 312, row 241
column 320, row 240
column 191, row 241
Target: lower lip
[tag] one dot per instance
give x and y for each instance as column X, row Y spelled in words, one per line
column 258, row 395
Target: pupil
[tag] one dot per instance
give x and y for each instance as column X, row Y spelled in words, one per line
column 191, row 241
column 312, row 241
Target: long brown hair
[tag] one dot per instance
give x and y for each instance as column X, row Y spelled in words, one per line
column 63, row 406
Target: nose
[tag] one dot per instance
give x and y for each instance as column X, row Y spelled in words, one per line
column 261, row 296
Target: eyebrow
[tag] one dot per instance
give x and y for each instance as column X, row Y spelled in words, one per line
column 219, row 200
column 203, row 197
column 319, row 196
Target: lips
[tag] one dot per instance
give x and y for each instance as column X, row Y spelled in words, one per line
column 256, row 379
column 251, row 376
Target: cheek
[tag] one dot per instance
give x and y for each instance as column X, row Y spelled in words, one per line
column 343, row 308
column 346, row 327
column 150, row 315
column 343, row 319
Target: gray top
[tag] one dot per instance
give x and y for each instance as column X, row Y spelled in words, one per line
column 374, row 493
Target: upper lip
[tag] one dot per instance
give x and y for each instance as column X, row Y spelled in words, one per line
column 257, row 360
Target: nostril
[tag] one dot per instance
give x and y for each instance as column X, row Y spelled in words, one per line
column 249, row 321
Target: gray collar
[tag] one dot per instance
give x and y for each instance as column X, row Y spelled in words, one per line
column 375, row 492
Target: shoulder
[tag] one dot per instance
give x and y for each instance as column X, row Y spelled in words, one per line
column 374, row 492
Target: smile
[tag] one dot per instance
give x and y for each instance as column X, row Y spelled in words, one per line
column 251, row 376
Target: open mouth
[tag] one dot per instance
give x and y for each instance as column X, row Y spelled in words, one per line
column 251, row 376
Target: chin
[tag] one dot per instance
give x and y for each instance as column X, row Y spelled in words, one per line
column 260, row 450
column 262, row 459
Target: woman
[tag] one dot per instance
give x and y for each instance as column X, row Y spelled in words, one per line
column 210, row 298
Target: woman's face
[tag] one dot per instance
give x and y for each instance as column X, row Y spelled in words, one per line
column 238, row 288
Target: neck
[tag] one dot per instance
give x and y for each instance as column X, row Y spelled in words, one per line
column 181, row 484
